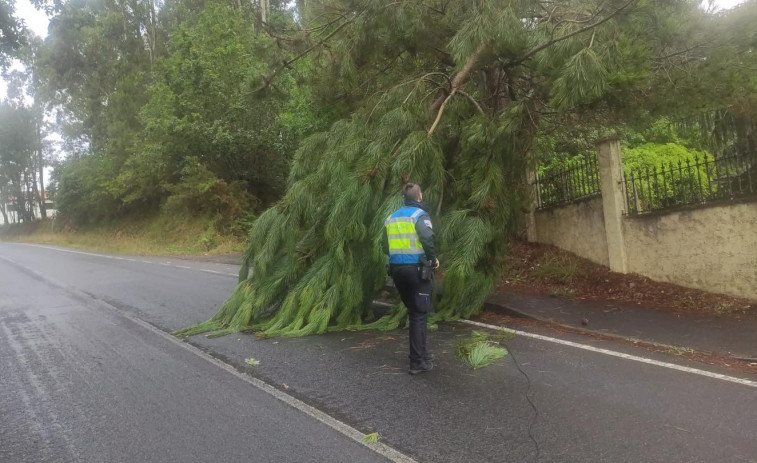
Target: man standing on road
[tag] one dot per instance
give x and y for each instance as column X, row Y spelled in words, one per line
column 409, row 241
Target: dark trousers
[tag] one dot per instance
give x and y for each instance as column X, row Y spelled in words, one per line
column 416, row 295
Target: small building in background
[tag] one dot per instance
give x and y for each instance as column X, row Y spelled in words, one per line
column 11, row 210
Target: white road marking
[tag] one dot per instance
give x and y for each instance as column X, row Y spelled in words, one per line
column 635, row 358
column 339, row 426
column 108, row 256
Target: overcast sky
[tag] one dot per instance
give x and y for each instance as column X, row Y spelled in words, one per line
column 37, row 21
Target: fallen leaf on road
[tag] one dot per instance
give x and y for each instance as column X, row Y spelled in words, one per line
column 371, row 438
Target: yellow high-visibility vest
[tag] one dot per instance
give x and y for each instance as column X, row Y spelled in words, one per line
column 404, row 244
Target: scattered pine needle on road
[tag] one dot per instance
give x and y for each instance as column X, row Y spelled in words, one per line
column 482, row 349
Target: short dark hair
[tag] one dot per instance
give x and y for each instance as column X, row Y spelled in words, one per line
column 411, row 192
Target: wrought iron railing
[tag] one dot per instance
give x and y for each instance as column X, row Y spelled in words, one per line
column 564, row 184
column 699, row 181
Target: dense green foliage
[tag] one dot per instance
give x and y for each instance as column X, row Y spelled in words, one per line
column 17, row 172
column 10, row 32
column 666, row 171
column 202, row 122
column 454, row 97
column 312, row 114
column 22, row 185
column 564, row 177
column 161, row 110
column 651, row 156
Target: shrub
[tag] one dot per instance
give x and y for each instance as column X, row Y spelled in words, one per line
column 200, row 192
column 666, row 174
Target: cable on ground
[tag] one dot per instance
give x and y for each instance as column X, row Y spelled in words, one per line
column 528, row 398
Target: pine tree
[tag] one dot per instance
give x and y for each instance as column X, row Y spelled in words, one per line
column 450, row 94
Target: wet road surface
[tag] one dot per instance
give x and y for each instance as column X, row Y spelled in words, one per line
column 80, row 383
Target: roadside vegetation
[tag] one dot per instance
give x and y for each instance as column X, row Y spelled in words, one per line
column 182, row 122
column 177, row 235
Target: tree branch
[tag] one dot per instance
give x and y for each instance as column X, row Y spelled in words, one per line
column 472, row 100
column 466, row 70
column 441, row 111
column 551, row 42
column 445, row 57
column 268, row 80
column 681, row 52
column 461, row 77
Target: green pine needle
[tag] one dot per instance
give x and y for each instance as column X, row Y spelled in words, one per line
column 481, row 349
column 482, row 354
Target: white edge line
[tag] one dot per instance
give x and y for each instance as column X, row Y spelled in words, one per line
column 649, row 361
column 673, row 366
column 636, row 358
column 107, row 256
column 339, row 426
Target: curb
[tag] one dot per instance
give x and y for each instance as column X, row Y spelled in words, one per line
column 508, row 310
column 504, row 309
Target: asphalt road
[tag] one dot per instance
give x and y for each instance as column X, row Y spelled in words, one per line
column 79, row 382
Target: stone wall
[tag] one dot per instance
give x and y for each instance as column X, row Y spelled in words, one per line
column 577, row 227
column 712, row 248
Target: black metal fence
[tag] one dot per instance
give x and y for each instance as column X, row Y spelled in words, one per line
column 697, row 181
column 578, row 179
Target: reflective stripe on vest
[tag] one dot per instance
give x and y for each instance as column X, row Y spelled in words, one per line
column 404, row 245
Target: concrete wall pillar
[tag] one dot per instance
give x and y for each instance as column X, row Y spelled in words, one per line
column 613, row 201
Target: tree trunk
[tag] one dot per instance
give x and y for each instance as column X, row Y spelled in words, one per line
column 41, row 161
column 2, row 211
column 20, row 205
column 301, row 6
column 24, row 197
column 265, row 6
column 152, row 35
column 35, row 192
column 30, row 189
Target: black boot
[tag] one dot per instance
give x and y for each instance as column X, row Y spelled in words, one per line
column 423, row 366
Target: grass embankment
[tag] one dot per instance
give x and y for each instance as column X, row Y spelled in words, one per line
column 159, row 235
